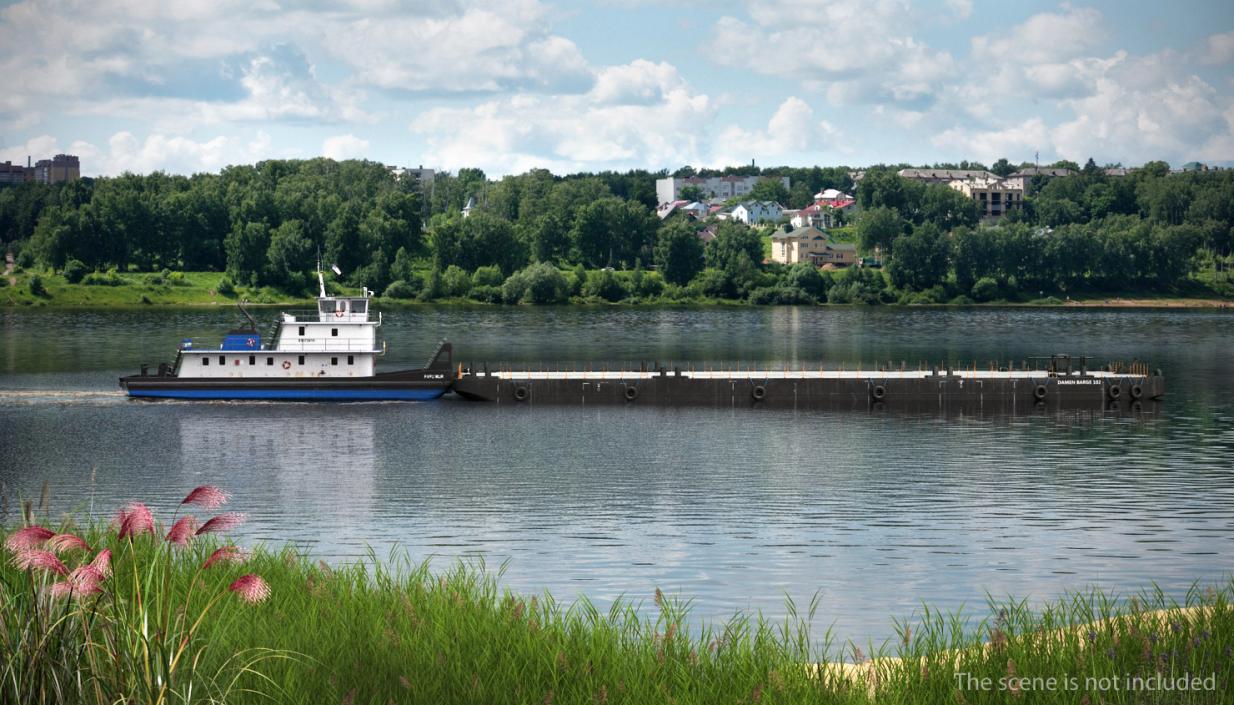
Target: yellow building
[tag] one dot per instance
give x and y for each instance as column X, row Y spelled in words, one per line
column 809, row 244
column 995, row 197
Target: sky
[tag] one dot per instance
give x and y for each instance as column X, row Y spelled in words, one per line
column 588, row 85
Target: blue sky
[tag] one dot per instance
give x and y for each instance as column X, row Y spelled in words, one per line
column 614, row 84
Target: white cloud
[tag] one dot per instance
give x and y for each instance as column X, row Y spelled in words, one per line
column 477, row 46
column 860, row 51
column 344, row 147
column 641, row 114
column 155, row 152
column 1044, row 38
column 1218, row 49
column 961, row 8
column 989, row 145
column 791, row 130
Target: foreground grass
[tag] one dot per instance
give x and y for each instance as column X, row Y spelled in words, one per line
column 395, row 631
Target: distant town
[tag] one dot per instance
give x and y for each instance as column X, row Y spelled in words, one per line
column 944, row 233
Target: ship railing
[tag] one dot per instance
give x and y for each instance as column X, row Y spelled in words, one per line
column 314, row 316
column 327, row 345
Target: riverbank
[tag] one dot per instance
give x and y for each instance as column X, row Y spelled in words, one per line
column 212, row 289
column 188, row 617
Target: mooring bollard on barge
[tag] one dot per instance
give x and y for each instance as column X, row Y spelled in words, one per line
column 1062, row 382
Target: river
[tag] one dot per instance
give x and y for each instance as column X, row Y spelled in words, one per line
column 736, row 509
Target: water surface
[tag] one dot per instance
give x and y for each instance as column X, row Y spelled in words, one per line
column 735, row 508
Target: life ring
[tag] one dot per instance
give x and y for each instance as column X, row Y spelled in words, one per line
column 520, row 393
column 237, row 361
column 631, row 393
column 1114, row 391
column 287, row 364
column 878, row 392
column 252, row 342
column 759, row 392
column 338, row 314
column 1136, row 391
column 1039, row 392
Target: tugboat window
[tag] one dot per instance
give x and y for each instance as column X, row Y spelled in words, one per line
column 301, row 331
column 252, row 359
column 222, row 360
column 334, row 332
column 334, row 361
column 359, row 306
column 269, row 361
column 351, row 359
column 205, row 360
column 301, row 360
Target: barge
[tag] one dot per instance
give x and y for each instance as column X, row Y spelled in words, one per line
column 326, row 354
column 1059, row 381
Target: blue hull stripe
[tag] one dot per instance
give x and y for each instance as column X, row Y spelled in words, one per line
column 294, row 394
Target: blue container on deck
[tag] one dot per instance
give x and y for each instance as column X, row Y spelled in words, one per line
column 242, row 340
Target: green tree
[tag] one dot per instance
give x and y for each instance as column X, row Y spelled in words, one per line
column 246, row 251
column 679, row 252
column 1002, row 168
column 919, row 260
column 289, row 257
column 690, row 192
column 878, row 228
column 770, row 189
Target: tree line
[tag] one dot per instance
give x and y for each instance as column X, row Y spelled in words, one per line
column 267, row 224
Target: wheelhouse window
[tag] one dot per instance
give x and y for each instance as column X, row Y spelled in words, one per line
column 360, row 306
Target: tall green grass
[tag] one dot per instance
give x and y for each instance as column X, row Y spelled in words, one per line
column 393, row 630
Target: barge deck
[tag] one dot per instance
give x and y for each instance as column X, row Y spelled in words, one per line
column 1060, row 383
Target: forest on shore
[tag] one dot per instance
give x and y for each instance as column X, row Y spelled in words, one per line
column 541, row 238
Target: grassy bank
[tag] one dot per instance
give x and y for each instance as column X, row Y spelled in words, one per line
column 275, row 626
column 203, row 289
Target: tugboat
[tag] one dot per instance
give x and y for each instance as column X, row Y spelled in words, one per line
column 329, row 354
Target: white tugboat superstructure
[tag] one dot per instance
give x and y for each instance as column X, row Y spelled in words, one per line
column 327, row 353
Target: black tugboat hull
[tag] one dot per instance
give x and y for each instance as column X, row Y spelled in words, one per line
column 408, row 385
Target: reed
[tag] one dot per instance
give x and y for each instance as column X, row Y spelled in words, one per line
column 187, row 620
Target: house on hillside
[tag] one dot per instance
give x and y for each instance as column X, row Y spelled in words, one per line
column 824, row 214
column 1023, row 178
column 995, row 197
column 753, row 212
column 811, row 245
column 944, row 176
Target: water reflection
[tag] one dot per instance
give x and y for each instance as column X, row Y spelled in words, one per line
column 878, row 510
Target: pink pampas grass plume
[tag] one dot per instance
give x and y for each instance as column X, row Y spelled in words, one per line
column 206, row 497
column 250, row 588
column 226, row 554
column 27, row 538
column 136, row 519
column 66, row 542
column 222, row 522
column 40, row 560
column 82, row 582
column 181, row 531
column 102, row 562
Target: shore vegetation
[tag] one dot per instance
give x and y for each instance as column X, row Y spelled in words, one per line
column 143, row 611
column 591, row 238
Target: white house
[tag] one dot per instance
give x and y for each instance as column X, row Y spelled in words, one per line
column 752, row 212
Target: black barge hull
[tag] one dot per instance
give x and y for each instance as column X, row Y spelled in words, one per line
column 907, row 392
